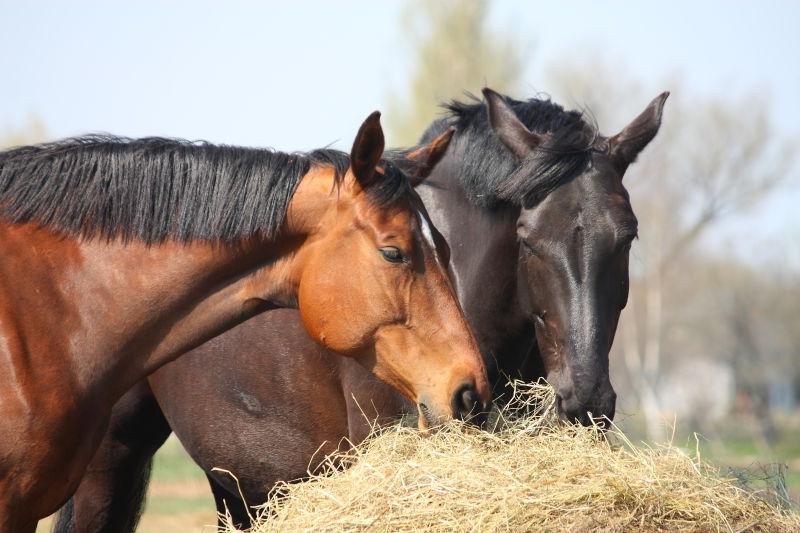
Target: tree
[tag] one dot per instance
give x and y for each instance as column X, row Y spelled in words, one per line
column 32, row 132
column 453, row 50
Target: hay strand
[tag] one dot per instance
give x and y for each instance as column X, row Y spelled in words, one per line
column 532, row 473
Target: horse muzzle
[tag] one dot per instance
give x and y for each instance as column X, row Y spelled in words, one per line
column 597, row 408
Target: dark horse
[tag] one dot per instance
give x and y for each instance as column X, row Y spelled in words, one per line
column 117, row 256
column 539, row 226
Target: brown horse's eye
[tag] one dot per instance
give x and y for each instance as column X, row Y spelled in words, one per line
column 392, row 254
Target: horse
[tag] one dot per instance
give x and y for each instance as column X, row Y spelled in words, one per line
column 531, row 201
column 119, row 255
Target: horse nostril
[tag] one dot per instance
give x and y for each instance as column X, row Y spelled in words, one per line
column 466, row 402
column 598, row 410
column 425, row 413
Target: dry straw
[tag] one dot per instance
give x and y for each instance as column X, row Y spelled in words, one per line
column 531, row 474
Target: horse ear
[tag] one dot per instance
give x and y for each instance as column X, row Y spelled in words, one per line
column 626, row 145
column 426, row 157
column 508, row 127
column 367, row 149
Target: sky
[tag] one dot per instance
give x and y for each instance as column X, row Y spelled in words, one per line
column 304, row 74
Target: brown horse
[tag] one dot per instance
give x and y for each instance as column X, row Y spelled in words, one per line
column 541, row 272
column 117, row 256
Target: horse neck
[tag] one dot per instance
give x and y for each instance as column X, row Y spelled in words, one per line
column 114, row 312
column 483, row 263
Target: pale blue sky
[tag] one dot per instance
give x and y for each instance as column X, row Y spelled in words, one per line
column 303, row 74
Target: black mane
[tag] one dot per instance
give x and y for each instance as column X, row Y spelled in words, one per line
column 490, row 174
column 154, row 188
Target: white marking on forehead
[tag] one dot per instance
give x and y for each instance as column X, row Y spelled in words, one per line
column 427, row 232
column 434, row 205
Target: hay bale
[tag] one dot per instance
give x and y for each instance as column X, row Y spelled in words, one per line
column 532, row 474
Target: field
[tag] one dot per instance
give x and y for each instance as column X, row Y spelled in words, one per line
column 179, row 498
column 734, row 449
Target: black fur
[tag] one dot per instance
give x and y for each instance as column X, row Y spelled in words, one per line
column 153, row 189
column 65, row 519
column 392, row 183
column 490, row 175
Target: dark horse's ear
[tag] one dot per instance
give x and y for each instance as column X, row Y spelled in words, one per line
column 508, row 127
column 367, row 149
column 425, row 157
column 626, row 145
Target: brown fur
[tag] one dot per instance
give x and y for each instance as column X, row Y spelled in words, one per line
column 82, row 320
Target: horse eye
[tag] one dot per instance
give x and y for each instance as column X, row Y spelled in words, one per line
column 625, row 244
column 392, row 254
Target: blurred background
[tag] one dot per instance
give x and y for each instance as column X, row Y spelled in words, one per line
column 709, row 344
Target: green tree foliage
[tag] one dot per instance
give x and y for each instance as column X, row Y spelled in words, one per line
column 453, row 50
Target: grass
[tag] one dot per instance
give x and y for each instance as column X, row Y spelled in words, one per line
column 178, row 498
column 178, row 487
column 732, row 445
column 172, row 463
column 742, row 452
column 734, row 449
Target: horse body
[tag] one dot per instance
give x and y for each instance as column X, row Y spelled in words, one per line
column 88, row 309
column 542, row 281
column 61, row 322
column 267, row 427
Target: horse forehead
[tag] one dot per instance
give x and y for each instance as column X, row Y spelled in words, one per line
column 399, row 219
column 586, row 202
column 426, row 228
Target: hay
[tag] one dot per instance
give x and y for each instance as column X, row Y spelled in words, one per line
column 532, row 474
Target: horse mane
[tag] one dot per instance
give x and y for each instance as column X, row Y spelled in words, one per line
column 154, row 188
column 490, row 174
